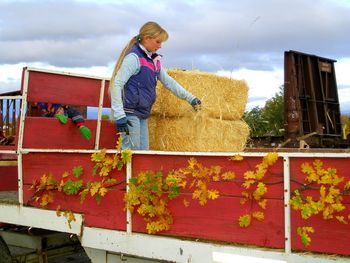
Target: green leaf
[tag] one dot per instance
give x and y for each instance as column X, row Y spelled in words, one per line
column 94, row 170
column 98, row 198
column 245, row 220
column 83, row 195
column 133, row 180
column 71, row 187
column 155, row 188
column 77, row 171
column 174, row 192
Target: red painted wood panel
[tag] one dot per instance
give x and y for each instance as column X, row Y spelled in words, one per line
column 108, row 214
column 8, row 178
column 218, row 220
column 49, row 133
column 64, row 89
column 166, row 163
column 108, row 136
column 330, row 236
column 106, row 98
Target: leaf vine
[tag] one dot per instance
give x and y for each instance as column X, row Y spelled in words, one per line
column 47, row 186
column 329, row 203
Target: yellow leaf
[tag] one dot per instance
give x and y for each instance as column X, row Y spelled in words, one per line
column 71, row 217
column 65, row 174
column 196, row 194
column 103, row 191
column 303, row 233
column 341, row 219
column 183, row 184
column 98, row 156
column 245, row 194
column 318, row 164
column 248, row 183
column 263, row 203
column 126, row 155
column 270, row 158
column 60, row 186
column 338, row 207
column 216, row 178
column 307, row 168
column 312, row 177
column 260, row 191
column 186, row 203
column 46, row 199
column 236, row 158
column 347, row 185
column 258, row 216
column 110, row 181
column 58, row 211
column 192, row 162
column 228, row 175
column 249, row 175
column 43, row 180
column 213, row 194
column 95, row 186
column 215, row 169
column 245, row 220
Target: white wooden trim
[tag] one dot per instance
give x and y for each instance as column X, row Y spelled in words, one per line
column 20, row 178
column 161, row 248
column 66, row 73
column 99, row 115
column 214, row 154
column 128, row 212
column 21, row 134
column 179, row 250
column 8, row 151
column 39, row 218
column 287, row 214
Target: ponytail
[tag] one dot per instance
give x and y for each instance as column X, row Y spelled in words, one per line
column 151, row 29
column 120, row 61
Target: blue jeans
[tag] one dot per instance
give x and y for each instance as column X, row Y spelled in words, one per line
column 138, row 138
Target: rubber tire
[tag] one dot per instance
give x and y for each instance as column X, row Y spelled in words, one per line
column 5, row 254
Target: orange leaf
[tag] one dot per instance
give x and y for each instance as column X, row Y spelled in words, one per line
column 186, row 203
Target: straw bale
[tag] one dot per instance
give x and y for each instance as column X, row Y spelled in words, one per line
column 201, row 133
column 222, row 97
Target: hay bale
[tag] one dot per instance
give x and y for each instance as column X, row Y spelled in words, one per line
column 198, row 133
column 222, row 98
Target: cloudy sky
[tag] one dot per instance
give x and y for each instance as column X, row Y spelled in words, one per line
column 240, row 39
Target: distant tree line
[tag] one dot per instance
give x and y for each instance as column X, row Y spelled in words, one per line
column 269, row 120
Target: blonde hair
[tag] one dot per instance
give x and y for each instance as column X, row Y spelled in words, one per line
column 150, row 29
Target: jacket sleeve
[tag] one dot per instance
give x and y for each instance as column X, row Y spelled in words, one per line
column 129, row 67
column 174, row 86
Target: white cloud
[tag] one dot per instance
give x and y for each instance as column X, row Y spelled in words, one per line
column 342, row 71
column 262, row 85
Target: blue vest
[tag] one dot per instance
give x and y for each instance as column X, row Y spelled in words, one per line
column 140, row 90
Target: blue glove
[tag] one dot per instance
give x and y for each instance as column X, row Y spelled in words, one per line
column 122, row 125
column 196, row 104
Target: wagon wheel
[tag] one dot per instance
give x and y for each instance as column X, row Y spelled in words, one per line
column 5, row 255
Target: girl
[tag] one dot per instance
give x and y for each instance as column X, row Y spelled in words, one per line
column 133, row 85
